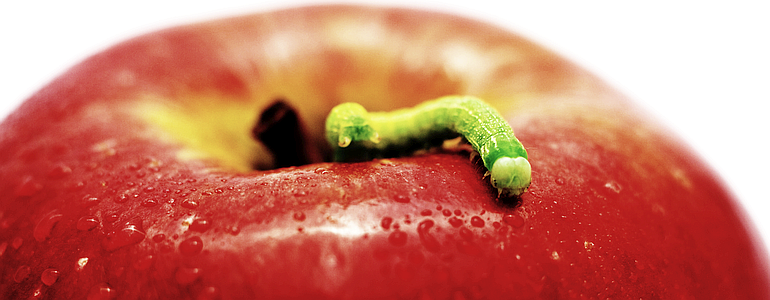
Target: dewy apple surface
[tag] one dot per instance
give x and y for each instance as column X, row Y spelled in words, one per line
column 584, row 178
column 703, row 78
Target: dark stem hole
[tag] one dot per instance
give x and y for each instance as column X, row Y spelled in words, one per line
column 280, row 129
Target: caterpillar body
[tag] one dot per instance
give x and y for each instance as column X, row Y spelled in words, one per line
column 356, row 134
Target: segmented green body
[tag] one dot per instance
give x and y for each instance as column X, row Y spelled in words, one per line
column 356, row 134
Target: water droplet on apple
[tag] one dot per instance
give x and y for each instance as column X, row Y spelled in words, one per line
column 81, row 263
column 426, row 212
column 191, row 204
column 299, row 216
column 458, row 212
column 49, row 276
column 78, row 186
column 385, row 222
column 121, row 199
column 476, row 221
column 159, row 238
column 166, row 247
column 401, row 198
column 467, row 245
column 321, row 171
column 208, row 293
column 21, row 273
column 397, row 238
column 3, row 246
column 89, row 201
column 200, row 225
column 28, row 187
column 639, row 265
column 130, row 234
column 503, row 231
column 110, row 218
column 513, row 220
column 37, row 293
column 150, row 202
column 87, row 223
column 191, row 246
column 144, row 263
column 426, row 238
column 59, row 171
column 234, row 230
column 446, row 212
column 44, row 227
column 613, row 186
column 455, row 222
column 185, row 276
column 102, row 291
column 559, row 181
column 17, row 242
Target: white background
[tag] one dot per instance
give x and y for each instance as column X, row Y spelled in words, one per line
column 701, row 68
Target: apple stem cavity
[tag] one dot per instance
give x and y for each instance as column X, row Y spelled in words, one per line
column 280, row 129
column 356, row 135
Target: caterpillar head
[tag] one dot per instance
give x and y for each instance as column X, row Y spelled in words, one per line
column 357, row 132
column 349, row 122
column 511, row 176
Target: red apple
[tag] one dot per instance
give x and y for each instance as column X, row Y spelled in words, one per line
column 132, row 175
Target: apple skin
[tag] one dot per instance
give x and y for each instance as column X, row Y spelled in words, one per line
column 129, row 176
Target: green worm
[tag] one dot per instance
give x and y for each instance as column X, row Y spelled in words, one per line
column 356, row 134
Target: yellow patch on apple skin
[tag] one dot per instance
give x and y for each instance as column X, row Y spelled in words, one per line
column 208, row 128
